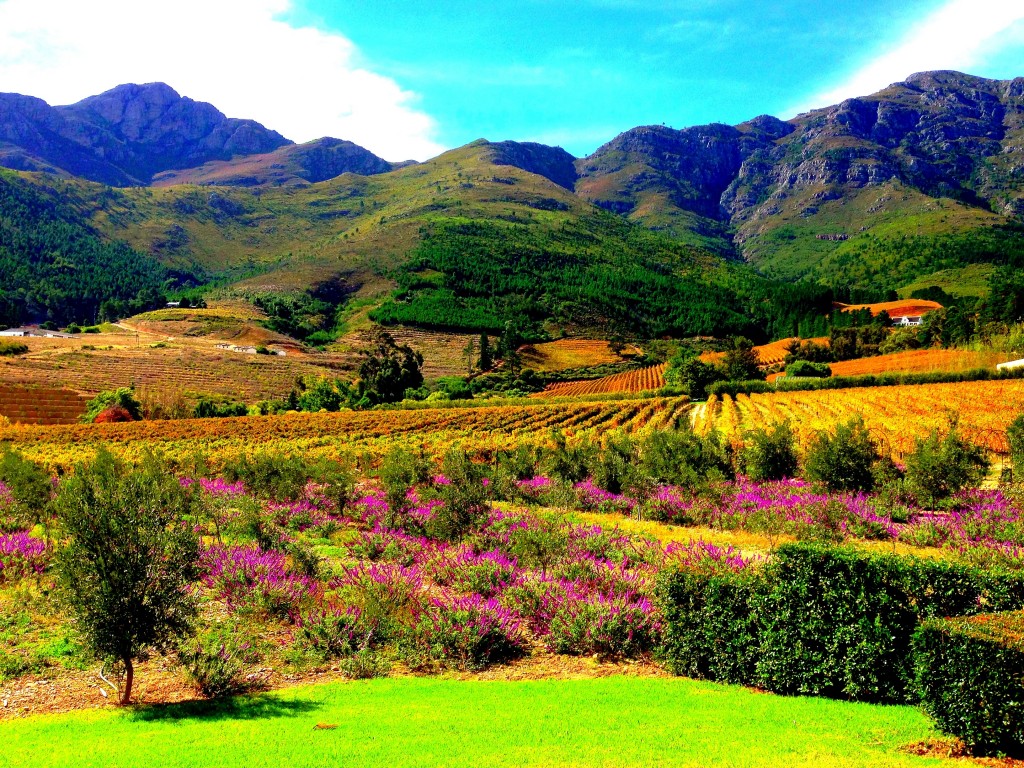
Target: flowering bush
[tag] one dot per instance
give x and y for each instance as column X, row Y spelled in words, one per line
column 623, row 625
column 486, row 573
column 703, row 557
column 469, row 632
column 250, row 579
column 388, row 596
column 591, row 497
column 22, row 555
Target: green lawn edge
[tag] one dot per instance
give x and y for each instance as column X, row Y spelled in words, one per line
column 614, row 721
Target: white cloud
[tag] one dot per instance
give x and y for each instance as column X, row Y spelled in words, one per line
column 960, row 35
column 238, row 55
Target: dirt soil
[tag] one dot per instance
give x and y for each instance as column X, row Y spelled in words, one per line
column 157, row 681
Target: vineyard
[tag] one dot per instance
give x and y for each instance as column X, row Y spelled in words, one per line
column 639, row 380
column 482, row 429
column 895, row 415
column 40, row 405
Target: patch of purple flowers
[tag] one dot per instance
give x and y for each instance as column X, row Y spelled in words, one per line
column 22, row 555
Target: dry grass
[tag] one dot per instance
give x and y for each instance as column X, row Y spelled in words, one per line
column 918, row 361
column 894, row 308
column 570, row 353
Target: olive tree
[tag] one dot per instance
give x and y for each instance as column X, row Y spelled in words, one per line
column 128, row 559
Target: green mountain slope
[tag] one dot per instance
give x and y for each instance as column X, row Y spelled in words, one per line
column 465, row 241
column 54, row 266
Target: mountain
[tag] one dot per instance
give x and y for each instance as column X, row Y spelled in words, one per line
column 712, row 229
column 835, row 189
column 291, row 165
column 125, row 136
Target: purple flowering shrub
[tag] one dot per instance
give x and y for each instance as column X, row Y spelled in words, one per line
column 485, row 574
column 22, row 555
column 602, row 576
column 251, row 580
column 605, row 625
column 389, row 545
column 593, row 498
column 468, row 632
column 388, row 597
column 703, row 557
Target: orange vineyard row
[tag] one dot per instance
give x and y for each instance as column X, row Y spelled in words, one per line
column 897, row 416
column 639, row 380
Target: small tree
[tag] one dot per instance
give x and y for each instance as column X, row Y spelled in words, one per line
column 469, row 355
column 742, row 363
column 942, row 466
column 129, row 559
column 770, row 454
column 388, row 369
column 30, row 489
column 122, row 398
column 1015, row 436
column 695, row 376
column 843, row 461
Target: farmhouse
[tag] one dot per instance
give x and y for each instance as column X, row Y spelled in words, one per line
column 37, row 332
column 906, row 320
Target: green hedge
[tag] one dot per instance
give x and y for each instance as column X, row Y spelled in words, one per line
column 710, row 631
column 825, row 621
column 734, row 388
column 970, row 673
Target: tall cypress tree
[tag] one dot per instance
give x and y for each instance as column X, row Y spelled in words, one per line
column 486, row 358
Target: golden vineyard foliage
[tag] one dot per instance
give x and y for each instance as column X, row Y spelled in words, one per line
column 480, row 429
column 895, row 415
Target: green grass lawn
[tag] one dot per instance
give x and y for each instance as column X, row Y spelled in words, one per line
column 616, row 721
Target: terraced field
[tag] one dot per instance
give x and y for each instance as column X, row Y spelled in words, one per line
column 40, row 405
column 639, row 380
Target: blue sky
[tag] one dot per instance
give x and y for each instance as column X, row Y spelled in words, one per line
column 577, row 73
column 408, row 78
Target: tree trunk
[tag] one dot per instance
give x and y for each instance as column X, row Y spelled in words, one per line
column 129, row 676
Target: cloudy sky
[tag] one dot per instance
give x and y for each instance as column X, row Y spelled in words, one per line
column 410, row 78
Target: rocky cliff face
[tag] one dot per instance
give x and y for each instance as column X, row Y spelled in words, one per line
column 124, row 136
column 943, row 134
column 553, row 163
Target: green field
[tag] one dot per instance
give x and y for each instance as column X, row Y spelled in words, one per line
column 615, row 721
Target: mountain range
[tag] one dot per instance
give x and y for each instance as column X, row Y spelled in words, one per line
column 919, row 184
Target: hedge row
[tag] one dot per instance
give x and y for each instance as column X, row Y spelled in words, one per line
column 734, row 388
column 970, row 673
column 821, row 621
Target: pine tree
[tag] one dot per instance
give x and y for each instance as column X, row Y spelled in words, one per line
column 486, row 358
